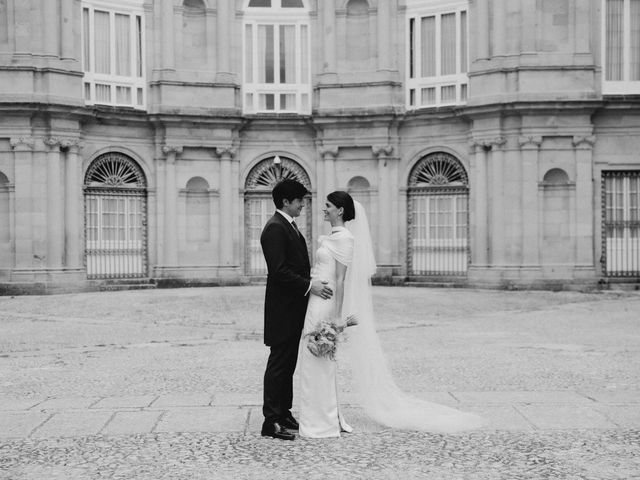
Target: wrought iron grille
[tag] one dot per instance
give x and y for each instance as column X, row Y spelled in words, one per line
column 259, row 207
column 621, row 223
column 438, row 220
column 115, row 219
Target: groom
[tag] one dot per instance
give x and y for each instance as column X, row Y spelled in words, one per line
column 288, row 287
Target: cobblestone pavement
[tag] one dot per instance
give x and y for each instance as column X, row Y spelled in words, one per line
column 167, row 383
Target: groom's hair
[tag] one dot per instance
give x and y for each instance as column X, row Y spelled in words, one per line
column 343, row 200
column 288, row 189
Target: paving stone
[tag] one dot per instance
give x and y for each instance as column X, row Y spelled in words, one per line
column 70, row 424
column 614, row 396
column 500, row 417
column 561, row 417
column 138, row 401
column 182, row 400
column 248, row 399
column 67, row 403
column 508, row 397
column 624, row 416
column 20, row 424
column 210, row 419
column 12, row 403
column 128, row 423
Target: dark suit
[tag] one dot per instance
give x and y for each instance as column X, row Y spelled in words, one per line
column 289, row 274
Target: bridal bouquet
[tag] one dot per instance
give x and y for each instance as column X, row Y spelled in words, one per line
column 324, row 338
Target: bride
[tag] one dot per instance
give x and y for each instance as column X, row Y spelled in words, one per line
column 345, row 261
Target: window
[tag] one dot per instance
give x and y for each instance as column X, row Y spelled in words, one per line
column 438, row 54
column 113, row 54
column 621, row 46
column 276, row 49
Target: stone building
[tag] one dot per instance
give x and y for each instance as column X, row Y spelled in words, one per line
column 494, row 142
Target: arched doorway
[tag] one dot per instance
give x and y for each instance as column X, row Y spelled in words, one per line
column 258, row 206
column 438, row 217
column 115, row 194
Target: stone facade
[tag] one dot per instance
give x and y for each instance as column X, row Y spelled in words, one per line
column 531, row 138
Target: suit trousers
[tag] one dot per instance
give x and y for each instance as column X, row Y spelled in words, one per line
column 278, row 380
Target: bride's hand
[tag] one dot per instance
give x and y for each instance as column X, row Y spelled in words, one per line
column 320, row 289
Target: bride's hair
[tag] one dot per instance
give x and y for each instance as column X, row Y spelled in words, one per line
column 343, row 200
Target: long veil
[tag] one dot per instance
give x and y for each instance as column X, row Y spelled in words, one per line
column 373, row 383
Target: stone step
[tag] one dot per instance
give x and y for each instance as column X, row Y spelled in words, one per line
column 127, row 284
column 434, row 284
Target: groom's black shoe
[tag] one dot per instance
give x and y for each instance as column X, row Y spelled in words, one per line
column 290, row 423
column 276, row 430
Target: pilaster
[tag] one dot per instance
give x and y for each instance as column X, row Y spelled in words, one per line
column 387, row 236
column 584, row 224
column 55, row 203
column 478, row 214
column 530, row 150
column 329, row 35
column 329, row 156
column 497, row 216
column 228, row 220
column 170, row 256
column 74, row 200
column 23, row 168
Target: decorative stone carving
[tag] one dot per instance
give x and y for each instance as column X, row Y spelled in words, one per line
column 382, row 150
column 530, row 141
column 175, row 149
column 488, row 143
column 24, row 142
column 331, row 152
column 585, row 141
column 73, row 144
column 226, row 151
column 51, row 142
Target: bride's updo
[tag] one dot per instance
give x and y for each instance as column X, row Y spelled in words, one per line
column 343, row 200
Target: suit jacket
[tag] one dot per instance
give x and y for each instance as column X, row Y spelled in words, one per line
column 289, row 274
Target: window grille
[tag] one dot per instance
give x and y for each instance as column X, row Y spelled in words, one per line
column 113, row 55
column 437, row 56
column 621, row 223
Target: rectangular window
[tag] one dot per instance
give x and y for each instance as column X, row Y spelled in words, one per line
column 276, row 67
column 621, row 47
column 113, row 56
column 437, row 56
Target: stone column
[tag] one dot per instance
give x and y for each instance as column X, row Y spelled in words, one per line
column 67, row 27
column 499, row 27
column 385, row 205
column 73, row 203
column 49, row 27
column 168, row 54
column 530, row 147
column 170, row 206
column 497, row 222
column 211, row 39
column 224, row 39
column 55, row 205
column 329, row 155
column 482, row 29
column 584, row 200
column 23, row 159
column 329, row 35
column 479, row 215
column 227, row 220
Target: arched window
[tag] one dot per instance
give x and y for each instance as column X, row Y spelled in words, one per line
column 276, row 50
column 438, row 216
column 259, row 206
column 198, row 210
column 115, row 218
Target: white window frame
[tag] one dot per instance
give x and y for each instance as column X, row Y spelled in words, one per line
column 134, row 9
column 625, row 86
column 301, row 88
column 436, row 8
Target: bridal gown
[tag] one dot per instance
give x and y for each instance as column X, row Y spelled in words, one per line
column 320, row 414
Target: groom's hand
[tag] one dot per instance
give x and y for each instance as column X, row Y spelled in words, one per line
column 321, row 289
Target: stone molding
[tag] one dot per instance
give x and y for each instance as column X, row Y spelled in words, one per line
column 585, row 142
column 530, row 141
column 175, row 149
column 382, row 150
column 488, row 144
column 72, row 144
column 24, row 142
